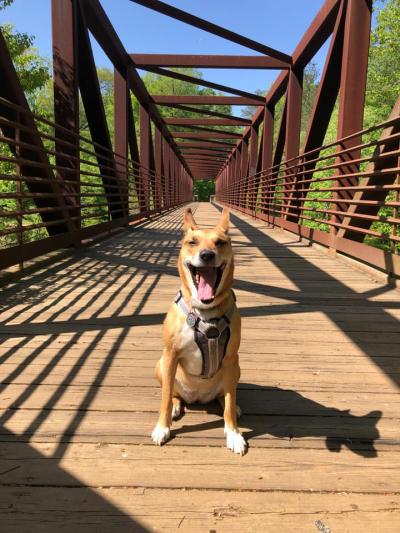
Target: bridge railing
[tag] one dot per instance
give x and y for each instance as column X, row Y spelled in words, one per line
column 58, row 188
column 343, row 195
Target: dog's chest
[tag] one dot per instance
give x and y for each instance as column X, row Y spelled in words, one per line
column 190, row 357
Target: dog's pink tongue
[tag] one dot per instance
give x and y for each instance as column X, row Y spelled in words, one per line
column 207, row 279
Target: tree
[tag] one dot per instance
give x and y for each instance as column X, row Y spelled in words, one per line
column 157, row 84
column 249, row 110
column 383, row 82
column 203, row 189
column 33, row 69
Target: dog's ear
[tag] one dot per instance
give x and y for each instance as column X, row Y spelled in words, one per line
column 224, row 222
column 188, row 220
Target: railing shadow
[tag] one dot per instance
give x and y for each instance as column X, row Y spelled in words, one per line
column 56, row 501
column 73, row 305
column 379, row 337
column 107, row 287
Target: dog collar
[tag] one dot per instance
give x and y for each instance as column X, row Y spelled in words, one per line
column 211, row 336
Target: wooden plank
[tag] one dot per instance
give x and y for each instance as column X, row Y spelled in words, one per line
column 174, row 466
column 115, row 509
column 203, row 426
column 255, row 399
column 319, row 390
column 290, row 376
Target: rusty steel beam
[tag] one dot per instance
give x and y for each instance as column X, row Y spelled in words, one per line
column 11, row 90
column 147, row 61
column 352, row 87
column 211, row 155
column 293, row 123
column 207, row 161
column 280, row 141
column 266, row 153
column 221, row 145
column 202, row 151
column 212, row 130
column 207, row 100
column 317, row 33
column 121, row 122
column 205, row 135
column 187, row 121
column 66, row 102
column 158, row 167
column 192, row 162
column 210, row 27
column 378, row 194
column 199, row 81
column 96, row 118
column 315, row 36
column 201, row 111
column 328, row 88
column 104, row 33
column 205, row 166
column 145, row 159
column 324, row 102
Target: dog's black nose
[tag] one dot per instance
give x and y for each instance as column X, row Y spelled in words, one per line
column 207, row 255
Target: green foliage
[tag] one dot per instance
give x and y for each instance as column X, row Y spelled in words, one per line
column 203, row 189
column 32, row 69
column 383, row 87
column 159, row 85
column 249, row 110
column 383, row 83
column 5, row 3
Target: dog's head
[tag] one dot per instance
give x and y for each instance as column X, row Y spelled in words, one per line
column 206, row 261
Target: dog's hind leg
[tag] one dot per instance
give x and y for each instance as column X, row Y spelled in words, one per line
column 177, row 407
column 221, row 400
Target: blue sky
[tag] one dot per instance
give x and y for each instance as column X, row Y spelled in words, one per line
column 279, row 24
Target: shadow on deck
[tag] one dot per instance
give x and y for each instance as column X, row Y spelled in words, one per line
column 78, row 342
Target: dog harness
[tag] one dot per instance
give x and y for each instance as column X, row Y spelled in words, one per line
column 211, row 336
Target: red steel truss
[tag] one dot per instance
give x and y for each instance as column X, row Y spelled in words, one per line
column 71, row 187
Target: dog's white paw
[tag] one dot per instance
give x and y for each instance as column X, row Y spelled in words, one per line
column 235, row 441
column 160, row 435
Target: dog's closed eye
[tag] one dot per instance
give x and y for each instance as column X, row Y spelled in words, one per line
column 220, row 243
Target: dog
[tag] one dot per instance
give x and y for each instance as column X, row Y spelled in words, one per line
column 201, row 333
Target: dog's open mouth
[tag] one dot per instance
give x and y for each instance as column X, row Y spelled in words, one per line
column 206, row 280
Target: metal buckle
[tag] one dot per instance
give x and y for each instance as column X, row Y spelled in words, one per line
column 212, row 332
column 191, row 319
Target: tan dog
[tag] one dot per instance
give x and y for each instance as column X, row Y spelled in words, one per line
column 202, row 332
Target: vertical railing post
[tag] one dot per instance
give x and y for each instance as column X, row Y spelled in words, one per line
column 395, row 226
column 352, row 93
column 166, row 173
column 292, row 136
column 253, row 181
column 158, row 168
column 18, row 187
column 267, row 159
column 121, row 96
column 66, row 105
column 244, row 173
column 145, row 133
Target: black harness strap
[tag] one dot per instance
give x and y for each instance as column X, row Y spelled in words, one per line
column 211, row 336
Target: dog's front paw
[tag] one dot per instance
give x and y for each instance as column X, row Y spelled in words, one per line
column 235, row 441
column 160, row 435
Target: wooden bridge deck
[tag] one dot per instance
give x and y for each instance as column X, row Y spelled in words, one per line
column 319, row 390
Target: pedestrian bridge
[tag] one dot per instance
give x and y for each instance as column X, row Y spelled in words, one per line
column 90, row 231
